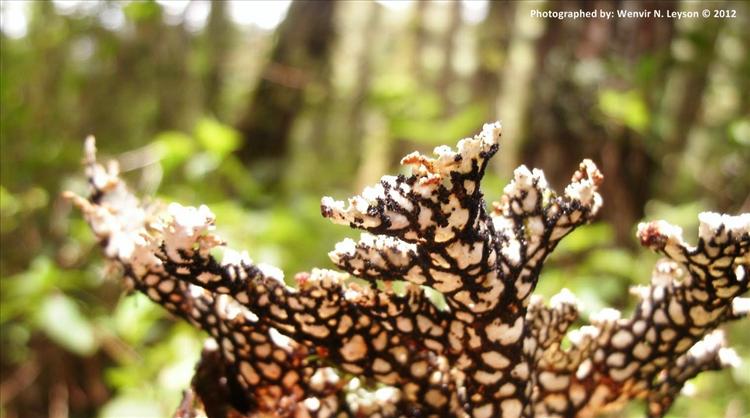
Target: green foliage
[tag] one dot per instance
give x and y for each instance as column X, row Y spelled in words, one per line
column 216, row 138
column 77, row 335
column 418, row 115
column 739, row 131
column 154, row 381
column 140, row 11
column 172, row 149
column 627, row 108
column 596, row 272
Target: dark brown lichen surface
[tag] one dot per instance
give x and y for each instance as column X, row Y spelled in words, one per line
column 329, row 347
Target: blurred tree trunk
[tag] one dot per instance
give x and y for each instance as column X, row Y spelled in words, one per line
column 418, row 35
column 418, row 39
column 683, row 99
column 493, row 38
column 299, row 58
column 356, row 116
column 628, row 158
column 169, row 46
column 561, row 96
column 447, row 74
column 517, row 84
column 218, row 38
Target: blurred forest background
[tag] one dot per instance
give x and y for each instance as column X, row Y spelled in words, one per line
column 259, row 108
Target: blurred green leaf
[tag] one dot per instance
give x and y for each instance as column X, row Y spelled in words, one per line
column 62, row 321
column 217, row 138
column 646, row 68
column 134, row 316
column 585, row 238
column 34, row 198
column 441, row 131
column 392, row 87
column 143, row 10
column 684, row 215
column 8, row 203
column 244, row 184
column 179, row 365
column 611, row 261
column 628, row 108
column 437, row 298
column 23, row 292
column 15, row 206
column 132, row 406
column 201, row 164
column 596, row 292
column 9, row 207
column 173, row 148
column 739, row 131
column 164, row 369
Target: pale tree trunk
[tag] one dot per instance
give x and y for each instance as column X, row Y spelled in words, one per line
column 418, row 37
column 516, row 85
column 493, row 38
column 298, row 59
column 447, row 74
column 357, row 111
column 218, row 38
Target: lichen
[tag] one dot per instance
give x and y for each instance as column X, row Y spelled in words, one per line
column 496, row 350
